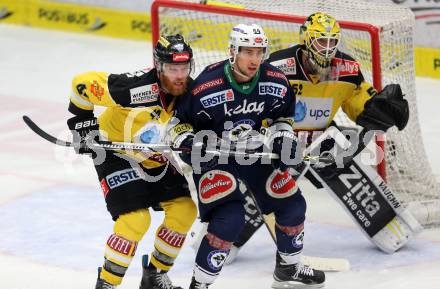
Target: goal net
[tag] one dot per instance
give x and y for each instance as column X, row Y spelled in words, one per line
column 378, row 36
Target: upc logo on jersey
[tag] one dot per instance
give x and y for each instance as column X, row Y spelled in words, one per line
column 215, row 185
column 281, row 185
column 119, row 178
column 144, row 94
column 217, row 98
column 343, row 67
column 271, row 88
column 300, row 111
column 287, row 66
column 312, row 112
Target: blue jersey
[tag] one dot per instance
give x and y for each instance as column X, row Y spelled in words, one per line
column 215, row 98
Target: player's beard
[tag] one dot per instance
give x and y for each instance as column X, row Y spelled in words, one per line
column 172, row 88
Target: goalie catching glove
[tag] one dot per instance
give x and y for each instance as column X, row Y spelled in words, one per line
column 385, row 109
column 84, row 128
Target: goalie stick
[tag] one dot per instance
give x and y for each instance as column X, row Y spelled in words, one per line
column 320, row 263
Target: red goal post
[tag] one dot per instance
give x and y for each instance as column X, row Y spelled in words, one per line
column 372, row 30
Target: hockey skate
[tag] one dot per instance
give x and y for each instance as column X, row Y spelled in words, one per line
column 102, row 284
column 296, row 276
column 197, row 285
column 153, row 278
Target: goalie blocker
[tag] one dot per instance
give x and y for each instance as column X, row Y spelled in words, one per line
column 365, row 196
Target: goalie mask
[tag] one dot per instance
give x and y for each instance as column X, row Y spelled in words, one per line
column 320, row 36
column 244, row 35
column 171, row 50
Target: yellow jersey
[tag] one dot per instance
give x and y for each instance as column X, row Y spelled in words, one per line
column 317, row 100
column 137, row 110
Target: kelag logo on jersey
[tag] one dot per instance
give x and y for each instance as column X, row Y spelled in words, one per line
column 217, row 98
column 245, row 108
column 312, row 112
column 271, row 88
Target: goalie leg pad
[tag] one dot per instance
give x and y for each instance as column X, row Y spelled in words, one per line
column 368, row 200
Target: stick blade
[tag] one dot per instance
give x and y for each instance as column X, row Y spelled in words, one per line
column 36, row 129
column 326, row 264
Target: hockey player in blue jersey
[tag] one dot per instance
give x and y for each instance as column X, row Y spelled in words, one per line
column 326, row 80
column 231, row 98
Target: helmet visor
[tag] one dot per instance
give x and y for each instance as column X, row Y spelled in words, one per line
column 177, row 70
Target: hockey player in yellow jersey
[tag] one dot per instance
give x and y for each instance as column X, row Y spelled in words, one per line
column 325, row 79
column 139, row 106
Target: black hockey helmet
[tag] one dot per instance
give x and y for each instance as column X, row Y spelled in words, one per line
column 172, row 49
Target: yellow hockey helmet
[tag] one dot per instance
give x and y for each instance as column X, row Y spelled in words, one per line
column 320, row 36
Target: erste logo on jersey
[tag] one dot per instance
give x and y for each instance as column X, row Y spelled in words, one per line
column 272, row 88
column 144, row 94
column 287, row 66
column 215, row 185
column 217, row 98
column 313, row 112
column 344, row 67
column 281, row 185
column 120, row 178
column 206, row 85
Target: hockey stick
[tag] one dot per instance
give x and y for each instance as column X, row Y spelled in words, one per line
column 162, row 148
column 320, row 263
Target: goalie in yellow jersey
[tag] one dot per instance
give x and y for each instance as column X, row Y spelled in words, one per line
column 325, row 79
column 139, row 105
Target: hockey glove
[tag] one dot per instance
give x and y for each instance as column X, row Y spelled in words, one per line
column 84, row 129
column 385, row 109
column 188, row 146
column 277, row 141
